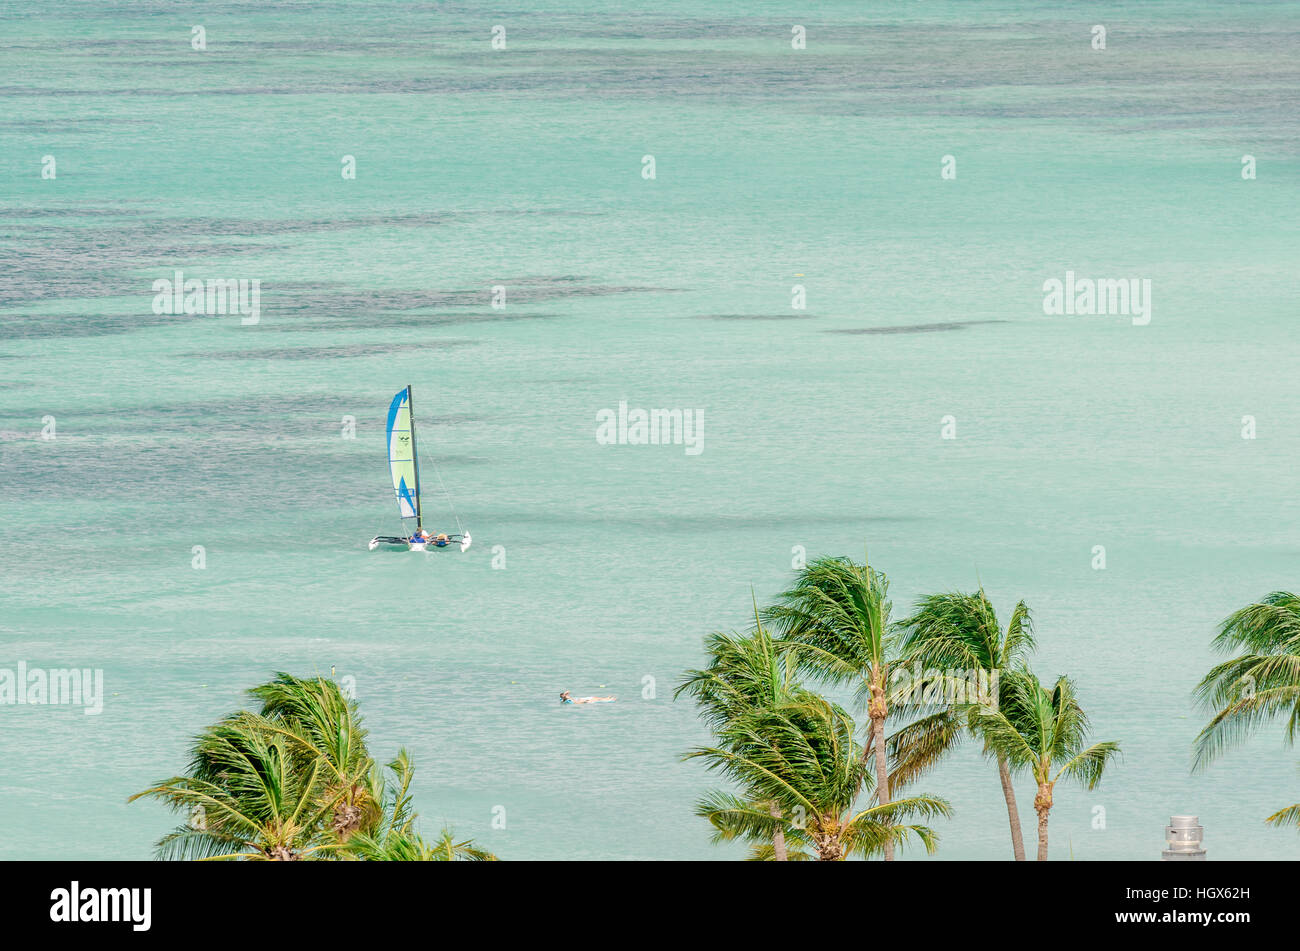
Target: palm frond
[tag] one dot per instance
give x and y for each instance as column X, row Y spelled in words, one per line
column 735, row 818
column 1290, row 816
column 1088, row 765
column 917, row 747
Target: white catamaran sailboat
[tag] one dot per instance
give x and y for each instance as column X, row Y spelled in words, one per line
column 405, row 467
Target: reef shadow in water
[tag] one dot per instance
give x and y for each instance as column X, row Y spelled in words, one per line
column 916, row 328
column 755, row 317
column 330, row 353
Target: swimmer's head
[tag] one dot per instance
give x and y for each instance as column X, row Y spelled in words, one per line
column 564, row 695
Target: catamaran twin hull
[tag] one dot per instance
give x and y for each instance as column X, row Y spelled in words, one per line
column 463, row 541
column 404, row 466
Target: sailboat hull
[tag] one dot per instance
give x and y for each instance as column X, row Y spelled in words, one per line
column 462, row 540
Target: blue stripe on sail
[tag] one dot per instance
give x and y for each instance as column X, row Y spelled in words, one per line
column 405, row 500
column 393, row 409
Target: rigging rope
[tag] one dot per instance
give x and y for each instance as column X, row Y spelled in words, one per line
column 447, row 496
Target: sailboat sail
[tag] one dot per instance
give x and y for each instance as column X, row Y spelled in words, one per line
column 401, row 455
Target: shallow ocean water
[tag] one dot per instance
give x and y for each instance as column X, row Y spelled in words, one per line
column 821, row 427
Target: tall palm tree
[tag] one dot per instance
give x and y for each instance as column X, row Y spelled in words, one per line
column 837, row 613
column 802, row 755
column 1039, row 728
column 947, row 636
column 247, row 797
column 1261, row 683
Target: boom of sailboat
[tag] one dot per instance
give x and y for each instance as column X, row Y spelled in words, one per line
column 404, row 465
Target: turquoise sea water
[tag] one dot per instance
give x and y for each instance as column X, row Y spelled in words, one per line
column 522, row 167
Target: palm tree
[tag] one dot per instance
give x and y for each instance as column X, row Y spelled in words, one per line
column 837, row 613
column 802, row 755
column 247, row 797
column 1261, row 683
column 1036, row 728
column 294, row 781
column 745, row 672
column 949, row 636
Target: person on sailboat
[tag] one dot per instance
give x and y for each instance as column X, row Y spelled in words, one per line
column 441, row 540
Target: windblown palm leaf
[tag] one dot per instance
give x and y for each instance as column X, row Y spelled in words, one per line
column 917, row 747
column 447, row 849
column 410, row 847
column 798, row 845
column 957, row 630
column 839, row 612
column 1290, row 816
column 394, row 838
column 745, row 671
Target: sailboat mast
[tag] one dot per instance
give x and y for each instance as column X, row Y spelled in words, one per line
column 415, row 458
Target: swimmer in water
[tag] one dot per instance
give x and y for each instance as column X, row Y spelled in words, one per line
column 565, row 698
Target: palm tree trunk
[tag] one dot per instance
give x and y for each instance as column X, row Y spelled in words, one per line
column 882, row 775
column 829, row 847
column 1013, row 814
column 868, row 753
column 778, row 840
column 1043, row 805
